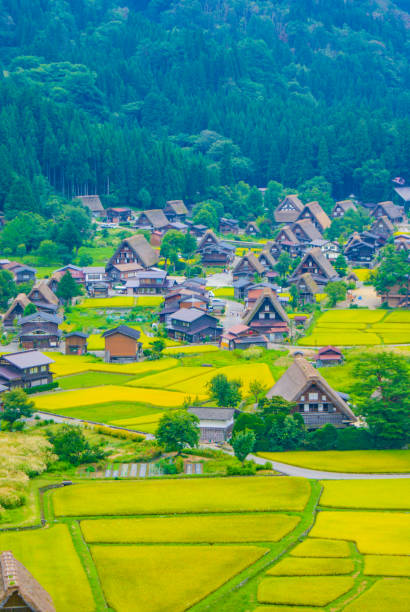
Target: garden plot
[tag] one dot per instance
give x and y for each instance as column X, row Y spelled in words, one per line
column 375, row 533
column 49, row 554
column 165, row 578
column 367, row 494
column 386, row 595
column 367, row 462
column 304, row 590
column 237, row 494
column 191, row 529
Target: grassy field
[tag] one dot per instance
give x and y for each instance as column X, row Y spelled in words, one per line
column 171, row 377
column 161, row 578
column 371, row 494
column 368, row 461
column 189, row 529
column 386, row 565
column 93, row 379
column 375, row 533
column 113, row 413
column 121, row 301
column 303, row 590
column 182, row 496
column 386, row 595
column 314, row 547
column 320, row 566
column 49, row 554
column 204, row 348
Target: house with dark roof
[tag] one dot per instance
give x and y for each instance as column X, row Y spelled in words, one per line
column 228, row 226
column 240, row 287
column 19, row 590
column 21, row 273
column 286, row 240
column 96, row 282
column 288, row 210
column 75, row 271
column 93, row 203
column 255, row 290
column 40, row 331
column 118, row 214
column 267, row 317
column 308, row 288
column 215, row 424
column 398, row 296
column 43, row 297
column 318, row 266
column 329, row 356
column 148, row 282
column 402, row 242
column 242, row 337
column 358, row 250
column 16, row 310
column 183, row 297
column 306, row 231
column 154, row 219
column 122, row 344
column 247, row 267
column 175, row 210
column 330, row 249
column 252, row 229
column 215, row 252
column 134, row 250
column 25, row 369
column 392, row 211
column 312, row 395
column 267, row 260
column 382, row 226
column 341, row 208
column 76, row 343
column 315, row 213
column 193, row 325
column 404, row 193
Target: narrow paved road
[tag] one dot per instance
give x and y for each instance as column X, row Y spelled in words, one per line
column 293, row 470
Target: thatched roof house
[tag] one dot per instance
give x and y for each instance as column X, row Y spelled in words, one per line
column 16, row 309
column 19, row 590
column 134, row 249
column 316, row 214
column 288, row 210
column 317, row 265
column 93, row 203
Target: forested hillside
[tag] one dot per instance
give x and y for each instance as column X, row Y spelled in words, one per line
column 146, row 101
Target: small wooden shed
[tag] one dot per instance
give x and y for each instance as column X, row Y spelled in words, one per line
column 76, row 343
column 121, row 344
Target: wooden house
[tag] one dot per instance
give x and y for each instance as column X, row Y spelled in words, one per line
column 382, row 226
column 240, row 287
column 93, row 203
column 402, row 243
column 255, row 290
column 175, row 210
column 15, row 311
column 121, row 344
column 315, row 213
column 312, row 395
column 54, row 280
column 268, row 318
column 40, row 331
column 183, row 297
column 21, row 273
column 153, row 219
column 122, row 273
column 215, row 252
column 306, row 231
column 308, row 288
column 215, row 424
column 287, row 241
column 25, row 369
column 148, row 282
column 198, row 230
column 19, row 590
column 193, row 325
column 133, row 250
column 228, row 226
column 118, row 215
column 393, row 212
column 288, row 210
column 398, row 296
column 76, row 343
column 242, row 337
column 76, row 273
column 94, row 275
column 252, row 229
column 330, row 249
column 358, row 250
column 267, row 260
column 329, row 356
column 43, row 297
column 247, row 267
column 341, row 208
column 316, row 264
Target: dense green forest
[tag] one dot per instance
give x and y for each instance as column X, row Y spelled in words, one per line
column 150, row 100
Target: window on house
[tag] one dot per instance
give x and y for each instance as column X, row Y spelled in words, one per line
column 305, row 407
column 313, row 396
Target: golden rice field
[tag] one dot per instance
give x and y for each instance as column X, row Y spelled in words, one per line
column 386, row 595
column 386, row 565
column 319, row 566
column 303, row 590
column 235, row 494
column 137, row 422
column 199, row 529
column 367, row 494
column 366, row 461
column 160, row 578
column 164, row 380
column 375, row 533
column 53, row 402
column 315, row 547
column 121, row 301
column 64, row 365
column 362, row 273
column 287, row 609
column 49, row 554
column 204, row 348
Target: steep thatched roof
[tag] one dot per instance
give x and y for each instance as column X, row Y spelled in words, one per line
column 308, row 228
column 289, row 233
column 345, row 205
column 138, row 243
column 92, row 202
column 318, row 213
column 309, row 281
column 386, row 222
column 16, row 581
column 324, row 264
column 390, row 209
column 252, row 225
column 268, row 256
column 156, row 217
column 266, row 294
column 45, row 291
column 178, row 206
column 22, row 300
column 282, row 215
column 252, row 261
column 205, row 239
column 298, row 377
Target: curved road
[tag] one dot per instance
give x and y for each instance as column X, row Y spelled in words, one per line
column 293, row 470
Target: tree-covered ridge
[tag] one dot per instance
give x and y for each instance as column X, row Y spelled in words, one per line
column 164, row 96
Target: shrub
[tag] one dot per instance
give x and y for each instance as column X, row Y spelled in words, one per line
column 41, row 388
column 252, row 352
column 247, row 469
column 11, row 498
